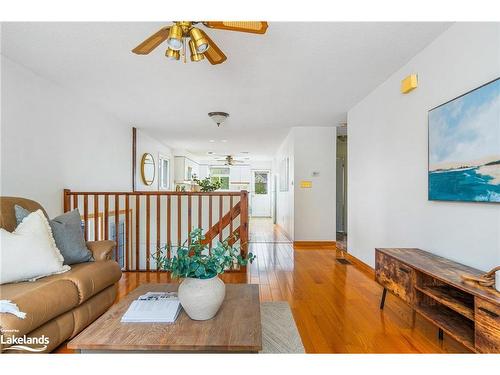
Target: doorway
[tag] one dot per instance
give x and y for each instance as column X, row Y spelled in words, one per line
column 341, row 191
column 260, row 193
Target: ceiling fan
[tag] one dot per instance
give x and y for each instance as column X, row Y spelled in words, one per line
column 183, row 33
column 230, row 160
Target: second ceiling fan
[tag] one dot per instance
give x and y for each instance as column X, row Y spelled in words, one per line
column 186, row 33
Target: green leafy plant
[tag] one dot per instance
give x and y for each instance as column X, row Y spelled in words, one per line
column 207, row 185
column 196, row 260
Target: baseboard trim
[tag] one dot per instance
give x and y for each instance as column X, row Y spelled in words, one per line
column 312, row 244
column 360, row 264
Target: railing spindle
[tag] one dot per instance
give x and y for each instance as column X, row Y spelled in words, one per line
column 210, row 218
column 66, row 200
column 158, row 201
column 148, row 231
column 169, row 226
column 231, row 210
column 127, row 231
column 220, row 218
column 86, row 216
column 200, row 202
column 244, row 223
column 117, row 225
column 137, row 230
column 189, row 217
column 106, row 217
column 96, row 217
column 179, row 223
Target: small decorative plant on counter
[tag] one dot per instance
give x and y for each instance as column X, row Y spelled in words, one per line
column 207, row 185
column 201, row 293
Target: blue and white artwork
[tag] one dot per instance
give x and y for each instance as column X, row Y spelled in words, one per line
column 464, row 147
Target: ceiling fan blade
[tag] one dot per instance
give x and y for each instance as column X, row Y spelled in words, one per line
column 255, row 27
column 152, row 42
column 213, row 54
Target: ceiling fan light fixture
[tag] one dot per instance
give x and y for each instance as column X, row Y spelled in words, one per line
column 200, row 42
column 175, row 35
column 218, row 117
column 172, row 54
column 195, row 56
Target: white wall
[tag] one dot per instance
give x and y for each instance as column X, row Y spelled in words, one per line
column 284, row 199
column 387, row 151
column 315, row 151
column 308, row 214
column 148, row 144
column 51, row 139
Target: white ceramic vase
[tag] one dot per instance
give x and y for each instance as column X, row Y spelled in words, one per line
column 202, row 298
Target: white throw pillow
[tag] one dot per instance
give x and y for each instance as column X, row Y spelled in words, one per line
column 29, row 252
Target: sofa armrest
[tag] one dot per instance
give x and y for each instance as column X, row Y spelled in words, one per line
column 101, row 250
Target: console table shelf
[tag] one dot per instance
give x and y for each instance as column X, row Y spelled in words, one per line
column 458, row 327
column 433, row 286
column 451, row 298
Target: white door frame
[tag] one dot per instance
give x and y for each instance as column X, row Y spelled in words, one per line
column 269, row 190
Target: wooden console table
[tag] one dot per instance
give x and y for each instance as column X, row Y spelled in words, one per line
column 432, row 286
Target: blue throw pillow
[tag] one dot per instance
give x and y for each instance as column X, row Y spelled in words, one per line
column 67, row 233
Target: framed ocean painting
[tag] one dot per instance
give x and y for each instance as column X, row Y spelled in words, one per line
column 464, row 147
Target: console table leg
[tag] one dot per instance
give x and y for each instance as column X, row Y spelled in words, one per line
column 382, row 301
column 440, row 334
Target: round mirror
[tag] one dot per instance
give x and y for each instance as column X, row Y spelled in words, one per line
column 148, row 169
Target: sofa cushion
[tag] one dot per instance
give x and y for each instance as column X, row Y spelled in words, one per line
column 30, row 251
column 41, row 300
column 91, row 309
column 92, row 277
column 68, row 235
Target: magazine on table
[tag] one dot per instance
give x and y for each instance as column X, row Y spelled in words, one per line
column 153, row 307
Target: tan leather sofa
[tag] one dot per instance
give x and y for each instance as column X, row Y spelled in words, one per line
column 58, row 306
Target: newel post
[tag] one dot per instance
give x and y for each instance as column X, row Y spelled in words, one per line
column 66, row 200
column 244, row 224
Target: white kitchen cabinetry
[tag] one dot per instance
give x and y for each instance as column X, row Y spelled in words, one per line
column 184, row 169
column 240, row 174
column 245, row 174
column 203, row 170
column 235, row 174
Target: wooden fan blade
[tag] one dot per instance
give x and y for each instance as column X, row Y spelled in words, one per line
column 255, row 27
column 213, row 54
column 152, row 42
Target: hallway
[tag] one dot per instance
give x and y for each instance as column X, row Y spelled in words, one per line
column 262, row 230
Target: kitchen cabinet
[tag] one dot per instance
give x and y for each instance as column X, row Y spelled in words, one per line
column 184, row 169
column 240, row 174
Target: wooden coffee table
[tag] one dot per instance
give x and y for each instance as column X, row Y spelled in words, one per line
column 235, row 328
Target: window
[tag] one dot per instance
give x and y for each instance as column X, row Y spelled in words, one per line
column 164, row 173
column 260, row 183
column 220, row 174
column 218, row 171
column 223, row 180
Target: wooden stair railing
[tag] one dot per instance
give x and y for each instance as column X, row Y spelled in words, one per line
column 143, row 222
column 221, row 224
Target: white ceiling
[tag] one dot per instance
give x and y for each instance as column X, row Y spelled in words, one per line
column 297, row 74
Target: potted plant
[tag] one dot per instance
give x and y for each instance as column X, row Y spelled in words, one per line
column 201, row 292
column 207, row 185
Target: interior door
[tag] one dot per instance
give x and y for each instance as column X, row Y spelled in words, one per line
column 260, row 204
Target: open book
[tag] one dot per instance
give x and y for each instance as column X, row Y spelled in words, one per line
column 161, row 307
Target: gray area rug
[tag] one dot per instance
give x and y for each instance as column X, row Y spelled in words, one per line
column 279, row 332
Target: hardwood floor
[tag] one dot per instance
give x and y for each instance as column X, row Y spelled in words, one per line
column 335, row 306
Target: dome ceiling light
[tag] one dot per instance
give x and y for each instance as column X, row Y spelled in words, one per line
column 218, row 117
